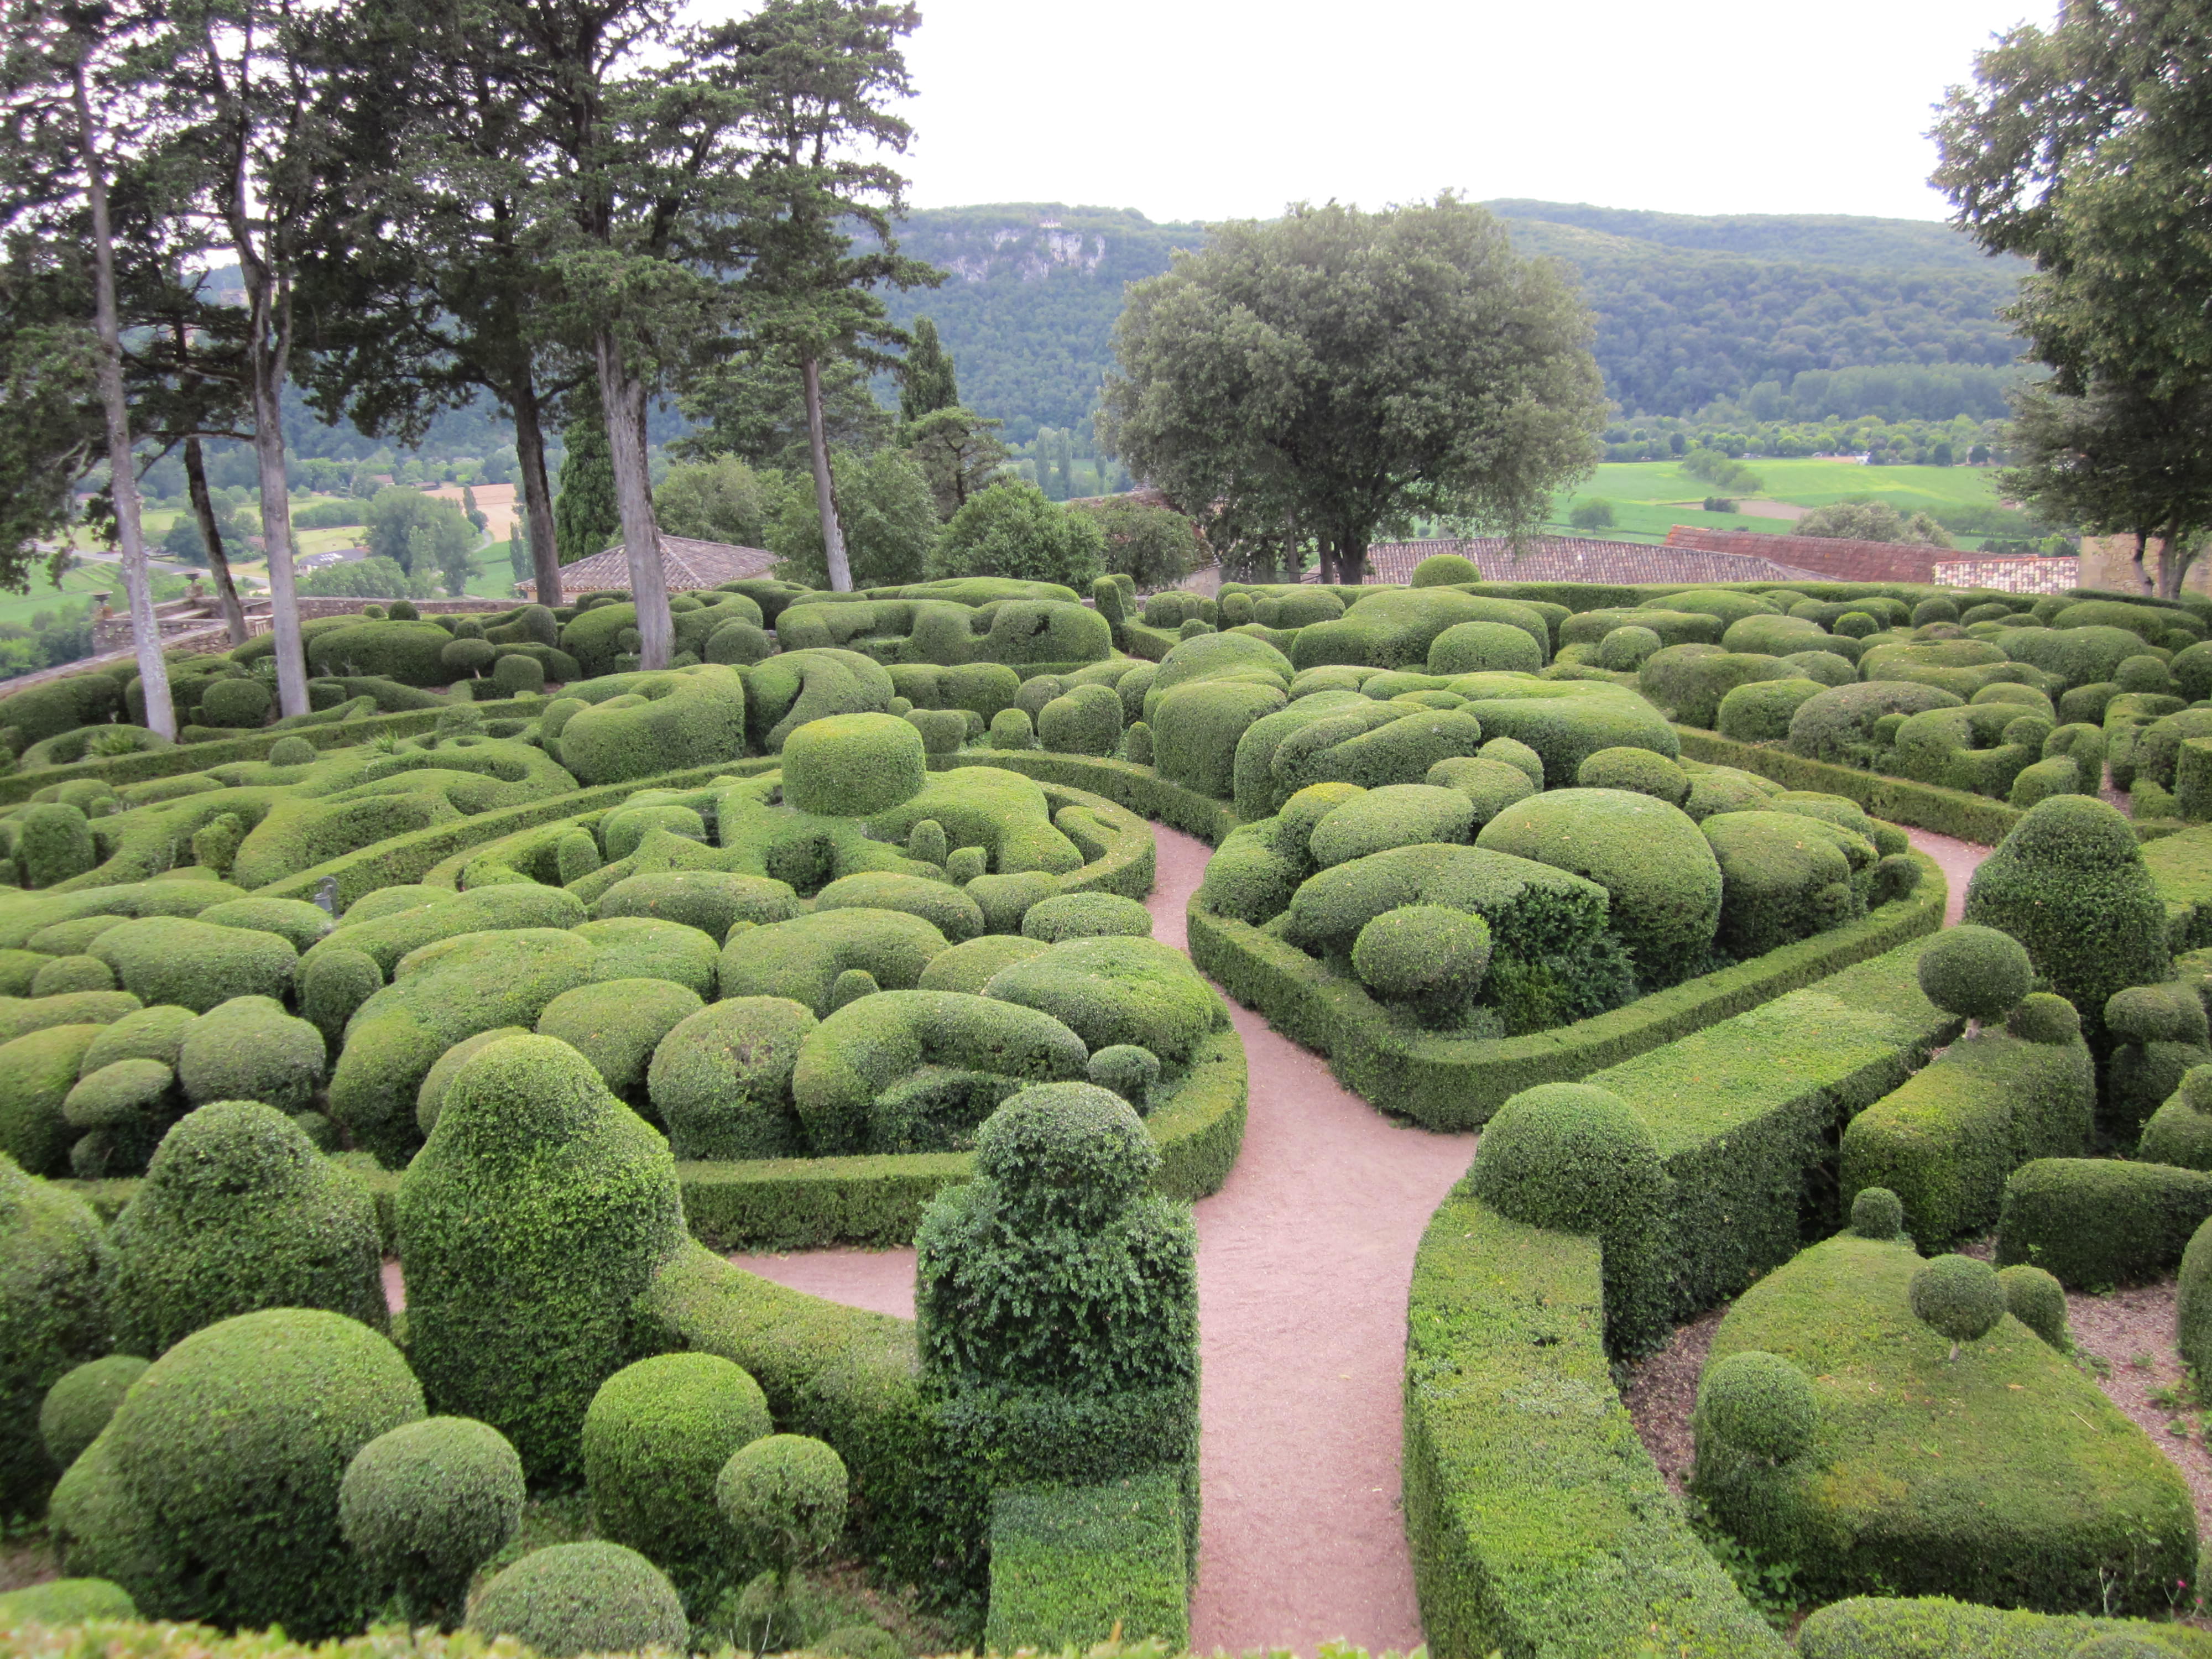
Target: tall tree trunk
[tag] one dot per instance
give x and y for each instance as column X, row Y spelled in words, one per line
column 276, row 520
column 1352, row 561
column 536, row 490
column 622, row 396
column 123, row 477
column 825, row 494
column 225, row 588
column 2142, row 577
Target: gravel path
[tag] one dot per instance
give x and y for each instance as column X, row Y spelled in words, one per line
column 1957, row 859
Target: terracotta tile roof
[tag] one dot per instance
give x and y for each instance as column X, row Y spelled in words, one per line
column 684, row 561
column 1577, row 559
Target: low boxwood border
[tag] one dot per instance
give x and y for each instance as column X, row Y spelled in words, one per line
column 1951, row 812
column 2181, row 865
column 1450, row 1082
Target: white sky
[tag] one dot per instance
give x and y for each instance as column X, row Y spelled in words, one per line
column 1209, row 109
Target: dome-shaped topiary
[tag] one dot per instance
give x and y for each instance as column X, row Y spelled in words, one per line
column 519, row 1325
column 850, row 986
column 1129, row 1070
column 1760, row 1404
column 2037, row 1300
column 1444, row 569
column 721, row 1080
column 1571, row 1157
column 53, row 1317
column 2044, row 1016
column 333, row 983
column 2156, row 1013
column 1975, row 973
column 573, row 1599
column 1085, row 915
column 2121, row 1645
column 926, row 841
column 1877, row 1212
column 1636, row 770
column 249, row 1049
column 852, row 766
column 1623, row 650
column 231, row 1448
column 616, row 1023
column 65, row 974
column 238, row 1211
column 1958, row 1298
column 656, row 1438
column 77, row 1407
column 784, row 1496
column 427, row 1504
column 1066, row 1152
column 293, row 751
column 1429, row 955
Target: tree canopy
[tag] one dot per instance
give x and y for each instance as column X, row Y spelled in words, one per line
column 1347, row 372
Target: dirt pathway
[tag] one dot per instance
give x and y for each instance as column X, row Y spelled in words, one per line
column 1957, row 859
column 1304, row 1257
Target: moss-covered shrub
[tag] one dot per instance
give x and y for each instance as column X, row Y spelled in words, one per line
column 427, row 1503
column 53, row 1318
column 2069, row 883
column 213, row 1494
column 1085, row 915
column 1877, row 1212
column 573, row 1598
column 62, row 1602
column 1958, row 1298
column 78, row 1406
column 192, row 965
column 249, row 1049
column 1658, row 870
column 1759, row 1403
column 2038, row 1301
column 519, row 1325
column 239, row 1211
column 656, row 1437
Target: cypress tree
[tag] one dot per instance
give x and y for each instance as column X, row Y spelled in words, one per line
column 926, row 379
column 586, row 519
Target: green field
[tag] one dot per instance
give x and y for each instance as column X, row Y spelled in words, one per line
column 1649, row 497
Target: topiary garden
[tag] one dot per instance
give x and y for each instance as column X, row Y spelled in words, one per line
column 532, row 980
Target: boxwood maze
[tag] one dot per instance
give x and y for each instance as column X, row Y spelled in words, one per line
column 552, row 976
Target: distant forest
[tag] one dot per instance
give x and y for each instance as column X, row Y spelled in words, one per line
column 1792, row 317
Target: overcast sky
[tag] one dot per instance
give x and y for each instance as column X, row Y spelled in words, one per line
column 1210, row 109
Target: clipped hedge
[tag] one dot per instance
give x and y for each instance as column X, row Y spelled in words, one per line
column 1925, row 806
column 2099, row 1222
column 1933, row 1627
column 1538, row 1522
column 1454, row 1083
column 1072, row 1566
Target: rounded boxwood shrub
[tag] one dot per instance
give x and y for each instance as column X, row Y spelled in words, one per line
column 333, row 985
column 1784, row 877
column 1129, row 1070
column 1877, row 1212
column 1474, row 648
column 1010, row 729
column 656, row 1438
column 37, row 1071
column 430, row 1098
column 1395, row 815
column 78, row 1406
column 1116, row 990
column 850, row 986
column 1761, row 712
column 229, row 1454
column 2170, row 1012
column 65, row 1601
column 1651, row 859
column 970, row 966
column 53, row 1317
column 712, row 901
column 852, row 766
column 618, row 1024
column 2044, row 1016
column 1760, row 1404
column 1428, row 954
column 2069, row 882
column 293, row 919
column 1636, row 770
column 1443, row 570
column 1958, row 1298
column 238, row 1211
column 54, row 843
column 1066, row 1153
column 62, row 974
column 1085, row 720
column 1974, row 972
column 293, row 751
column 1085, row 915
column 1491, row 786
column 519, row 1325
column 1571, row 1157
column 953, row 913
column 784, row 1497
column 194, row 965
column 1627, row 648
column 571, row 1599
column 249, row 1049
column 235, row 703
column 427, row 1504
column 942, row 730
column 2037, row 1300
column 721, row 1079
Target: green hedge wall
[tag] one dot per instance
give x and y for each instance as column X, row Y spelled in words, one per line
column 1074, row 1566
column 2181, row 865
column 1445, row 1083
column 1890, row 1627
column 1925, row 806
column 2097, row 1222
column 1539, row 1524
column 1137, row 788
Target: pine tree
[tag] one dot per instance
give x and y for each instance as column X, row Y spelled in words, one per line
column 584, row 516
column 925, row 378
